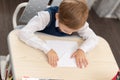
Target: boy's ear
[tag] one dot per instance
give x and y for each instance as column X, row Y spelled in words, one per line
column 57, row 16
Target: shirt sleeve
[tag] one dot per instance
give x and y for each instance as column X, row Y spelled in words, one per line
column 90, row 38
column 37, row 23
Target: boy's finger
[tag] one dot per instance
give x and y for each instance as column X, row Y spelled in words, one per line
column 49, row 60
column 55, row 62
column 73, row 55
column 77, row 62
column 80, row 63
column 84, row 63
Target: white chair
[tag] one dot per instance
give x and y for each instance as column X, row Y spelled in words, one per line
column 31, row 9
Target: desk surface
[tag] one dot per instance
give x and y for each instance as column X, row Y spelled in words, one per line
column 27, row 61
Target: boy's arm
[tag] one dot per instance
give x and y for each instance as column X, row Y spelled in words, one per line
column 91, row 39
column 37, row 23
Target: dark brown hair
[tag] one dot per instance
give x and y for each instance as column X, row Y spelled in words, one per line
column 73, row 13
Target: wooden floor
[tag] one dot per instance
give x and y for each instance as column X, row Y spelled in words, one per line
column 107, row 28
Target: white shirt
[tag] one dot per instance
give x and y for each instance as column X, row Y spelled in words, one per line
column 40, row 21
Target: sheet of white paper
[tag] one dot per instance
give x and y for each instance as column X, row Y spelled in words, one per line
column 64, row 50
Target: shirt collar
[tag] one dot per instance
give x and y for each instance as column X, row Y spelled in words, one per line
column 56, row 24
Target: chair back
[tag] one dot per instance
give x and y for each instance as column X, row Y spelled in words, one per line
column 35, row 6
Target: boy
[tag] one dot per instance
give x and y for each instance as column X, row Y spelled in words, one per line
column 70, row 17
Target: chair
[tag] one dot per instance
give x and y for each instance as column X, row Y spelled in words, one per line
column 31, row 9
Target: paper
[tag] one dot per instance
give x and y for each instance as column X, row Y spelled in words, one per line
column 64, row 50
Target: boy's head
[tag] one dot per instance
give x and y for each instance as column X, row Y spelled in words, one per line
column 72, row 14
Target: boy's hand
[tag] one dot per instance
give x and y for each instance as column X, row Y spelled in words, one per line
column 52, row 58
column 80, row 58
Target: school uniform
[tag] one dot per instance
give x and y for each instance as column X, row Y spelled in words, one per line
column 51, row 27
column 46, row 22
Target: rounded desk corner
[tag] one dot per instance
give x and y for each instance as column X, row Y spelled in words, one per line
column 12, row 32
column 103, row 39
column 11, row 35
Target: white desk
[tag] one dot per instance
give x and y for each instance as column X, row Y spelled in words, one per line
column 27, row 61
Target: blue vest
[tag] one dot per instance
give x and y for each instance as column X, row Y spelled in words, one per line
column 51, row 27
